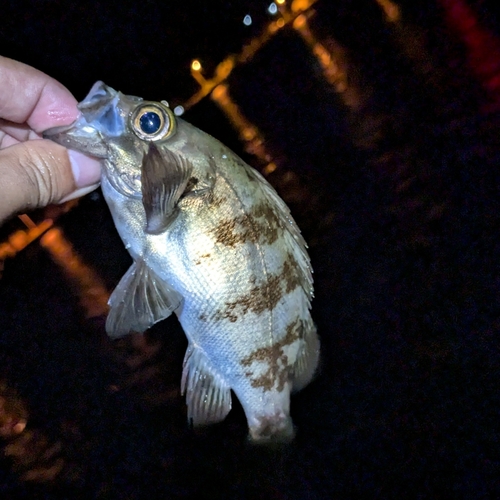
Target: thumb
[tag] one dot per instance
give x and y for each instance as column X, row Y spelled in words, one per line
column 39, row 172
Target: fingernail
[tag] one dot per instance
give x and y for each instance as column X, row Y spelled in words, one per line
column 79, row 193
column 86, row 170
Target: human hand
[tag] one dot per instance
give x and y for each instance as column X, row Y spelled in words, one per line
column 35, row 172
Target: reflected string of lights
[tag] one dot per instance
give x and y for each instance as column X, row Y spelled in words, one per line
column 287, row 14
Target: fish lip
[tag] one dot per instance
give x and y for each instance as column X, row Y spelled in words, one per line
column 79, row 135
column 99, row 96
column 85, row 133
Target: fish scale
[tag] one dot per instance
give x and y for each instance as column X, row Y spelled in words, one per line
column 212, row 242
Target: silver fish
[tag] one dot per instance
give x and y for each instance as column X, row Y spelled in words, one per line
column 211, row 241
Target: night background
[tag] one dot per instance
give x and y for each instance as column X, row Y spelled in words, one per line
column 377, row 122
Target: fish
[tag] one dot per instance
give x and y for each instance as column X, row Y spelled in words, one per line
column 212, row 242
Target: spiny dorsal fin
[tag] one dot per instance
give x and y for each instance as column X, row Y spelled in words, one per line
column 293, row 238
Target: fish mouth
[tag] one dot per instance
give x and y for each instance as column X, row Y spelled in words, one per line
column 100, row 118
column 80, row 136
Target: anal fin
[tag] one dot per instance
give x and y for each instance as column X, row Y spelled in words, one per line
column 307, row 357
column 140, row 300
column 208, row 396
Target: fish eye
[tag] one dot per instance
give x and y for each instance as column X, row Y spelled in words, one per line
column 150, row 122
column 153, row 121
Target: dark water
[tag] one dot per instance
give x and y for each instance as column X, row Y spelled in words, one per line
column 398, row 197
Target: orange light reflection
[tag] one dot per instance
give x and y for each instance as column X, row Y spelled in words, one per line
column 92, row 292
column 391, row 10
column 249, row 133
column 225, row 67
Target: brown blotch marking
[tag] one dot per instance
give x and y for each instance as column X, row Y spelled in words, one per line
column 274, row 356
column 217, row 200
column 226, row 314
column 257, row 300
column 270, row 226
column 197, row 262
column 265, row 210
column 225, row 233
column 263, row 296
column 261, row 225
column 290, row 275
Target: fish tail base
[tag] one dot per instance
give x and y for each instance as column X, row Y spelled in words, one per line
column 267, row 429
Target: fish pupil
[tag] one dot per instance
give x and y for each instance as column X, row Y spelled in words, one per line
column 150, row 122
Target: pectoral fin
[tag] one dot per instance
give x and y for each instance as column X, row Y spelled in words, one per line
column 165, row 176
column 140, row 300
column 208, row 396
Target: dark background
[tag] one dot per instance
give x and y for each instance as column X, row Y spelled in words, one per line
column 399, row 201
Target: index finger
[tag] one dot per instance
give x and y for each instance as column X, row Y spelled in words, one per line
column 30, row 96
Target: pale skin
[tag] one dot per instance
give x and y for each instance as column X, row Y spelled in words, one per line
column 35, row 172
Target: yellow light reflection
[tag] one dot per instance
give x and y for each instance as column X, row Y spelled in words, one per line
column 300, row 21
column 301, row 5
column 19, row 240
column 269, row 168
column 13, row 412
column 196, row 74
column 249, row 133
column 92, row 292
column 19, row 427
column 331, row 61
column 391, row 10
column 196, row 65
column 219, row 92
column 27, row 221
column 225, row 68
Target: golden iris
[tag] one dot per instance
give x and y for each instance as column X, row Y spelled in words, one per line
column 153, row 121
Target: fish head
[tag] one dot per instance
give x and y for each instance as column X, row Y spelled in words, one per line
column 143, row 155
